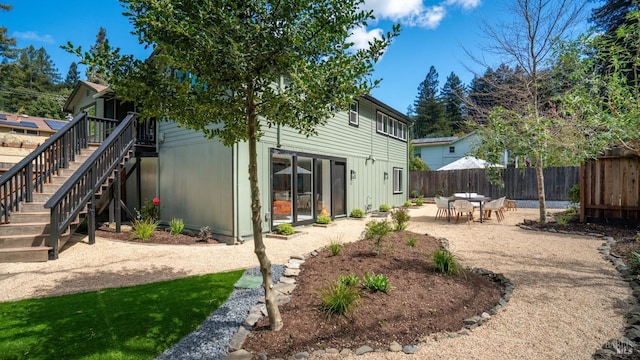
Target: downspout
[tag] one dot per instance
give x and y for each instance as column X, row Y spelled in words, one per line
column 234, row 195
column 280, row 87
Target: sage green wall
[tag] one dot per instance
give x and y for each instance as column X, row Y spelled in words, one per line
column 195, row 179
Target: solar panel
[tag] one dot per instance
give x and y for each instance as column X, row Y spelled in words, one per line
column 3, row 116
column 55, row 124
column 26, row 124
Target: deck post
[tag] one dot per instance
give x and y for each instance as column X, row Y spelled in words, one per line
column 117, row 202
column 53, row 234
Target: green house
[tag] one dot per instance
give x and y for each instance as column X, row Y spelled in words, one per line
column 358, row 159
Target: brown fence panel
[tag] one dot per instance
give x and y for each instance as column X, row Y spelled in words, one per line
column 611, row 188
column 519, row 184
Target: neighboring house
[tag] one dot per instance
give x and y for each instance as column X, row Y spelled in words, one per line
column 438, row 152
column 20, row 134
column 359, row 159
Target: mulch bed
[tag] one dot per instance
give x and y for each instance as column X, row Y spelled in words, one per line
column 160, row 236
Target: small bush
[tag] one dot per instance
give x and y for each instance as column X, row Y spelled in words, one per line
column 411, row 242
column 564, row 219
column 143, row 229
column 285, row 229
column 419, row 201
column 446, row 262
column 574, row 194
column 323, row 219
column 408, row 203
column 357, row 213
column 384, row 208
column 150, row 210
column 400, row 218
column 339, row 299
column 176, row 225
column 414, row 193
column 349, row 280
column 335, row 247
column 377, row 231
column 373, row 282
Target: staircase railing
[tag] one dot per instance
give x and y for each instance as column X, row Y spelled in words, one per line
column 81, row 188
column 29, row 175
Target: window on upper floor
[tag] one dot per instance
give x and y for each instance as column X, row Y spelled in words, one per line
column 354, row 117
column 389, row 126
column 452, row 149
column 397, row 181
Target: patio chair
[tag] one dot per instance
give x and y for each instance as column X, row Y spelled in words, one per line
column 442, row 204
column 463, row 207
column 497, row 206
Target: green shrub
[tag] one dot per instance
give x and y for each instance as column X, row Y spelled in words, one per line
column 349, row 280
column 285, row 229
column 143, row 228
column 384, row 208
column 373, row 282
column 574, row 194
column 335, row 247
column 339, row 299
column 377, row 231
column 446, row 262
column 177, row 225
column 400, row 218
column 150, row 210
column 414, row 194
column 411, row 242
column 357, row 213
column 323, row 219
column 564, row 219
column 419, row 201
column 408, row 203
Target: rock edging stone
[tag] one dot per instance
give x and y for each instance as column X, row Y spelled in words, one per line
column 286, row 284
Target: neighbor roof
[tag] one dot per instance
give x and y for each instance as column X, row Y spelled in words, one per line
column 21, row 121
column 440, row 140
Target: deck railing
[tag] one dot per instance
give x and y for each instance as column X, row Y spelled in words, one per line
column 81, row 188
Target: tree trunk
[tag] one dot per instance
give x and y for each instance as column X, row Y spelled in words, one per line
column 541, row 197
column 275, row 320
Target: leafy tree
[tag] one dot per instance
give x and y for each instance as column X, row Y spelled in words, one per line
column 93, row 72
column 73, row 75
column 530, row 126
column 416, row 163
column 6, row 43
column 228, row 69
column 452, row 97
column 612, row 14
column 429, row 120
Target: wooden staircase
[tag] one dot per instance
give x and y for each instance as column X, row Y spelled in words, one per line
column 44, row 198
column 26, row 237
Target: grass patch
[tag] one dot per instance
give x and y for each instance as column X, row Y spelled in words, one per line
column 138, row 322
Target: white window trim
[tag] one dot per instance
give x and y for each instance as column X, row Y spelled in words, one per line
column 391, row 127
column 354, row 116
column 397, row 180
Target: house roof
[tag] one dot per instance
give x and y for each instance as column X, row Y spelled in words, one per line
column 97, row 88
column 395, row 113
column 449, row 140
column 21, row 121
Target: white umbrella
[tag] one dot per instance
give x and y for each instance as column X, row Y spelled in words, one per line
column 287, row 171
column 468, row 162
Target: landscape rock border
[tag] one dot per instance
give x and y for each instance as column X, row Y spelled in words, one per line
column 629, row 342
column 287, row 283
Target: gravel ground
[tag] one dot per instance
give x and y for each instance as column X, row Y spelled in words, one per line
column 568, row 301
column 534, row 204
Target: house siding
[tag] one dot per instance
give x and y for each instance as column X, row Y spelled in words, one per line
column 438, row 155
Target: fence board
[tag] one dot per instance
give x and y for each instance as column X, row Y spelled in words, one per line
column 519, row 183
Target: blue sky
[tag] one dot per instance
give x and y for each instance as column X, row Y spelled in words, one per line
column 434, row 33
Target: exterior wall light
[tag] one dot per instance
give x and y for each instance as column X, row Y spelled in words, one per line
column 353, row 174
column 386, row 175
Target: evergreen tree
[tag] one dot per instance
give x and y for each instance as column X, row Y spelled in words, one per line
column 452, row 96
column 6, row 43
column 73, row 75
column 429, row 120
column 93, row 73
column 610, row 16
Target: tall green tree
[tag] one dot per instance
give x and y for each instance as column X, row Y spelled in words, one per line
column 429, row 119
column 6, row 43
column 529, row 128
column 612, row 14
column 229, row 68
column 452, row 97
column 73, row 75
column 93, row 72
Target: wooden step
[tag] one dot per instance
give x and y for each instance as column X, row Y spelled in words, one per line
column 20, row 241
column 25, row 254
column 32, row 207
column 22, row 217
column 24, row 229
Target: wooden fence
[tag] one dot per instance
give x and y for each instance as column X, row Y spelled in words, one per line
column 610, row 188
column 519, row 184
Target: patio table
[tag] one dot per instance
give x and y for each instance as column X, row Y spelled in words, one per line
column 479, row 199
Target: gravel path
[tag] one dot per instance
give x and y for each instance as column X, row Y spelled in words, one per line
column 567, row 301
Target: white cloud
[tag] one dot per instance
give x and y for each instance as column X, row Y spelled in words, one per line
column 415, row 12
column 361, row 37
column 34, row 36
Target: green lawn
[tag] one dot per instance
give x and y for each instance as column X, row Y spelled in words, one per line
column 124, row 323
